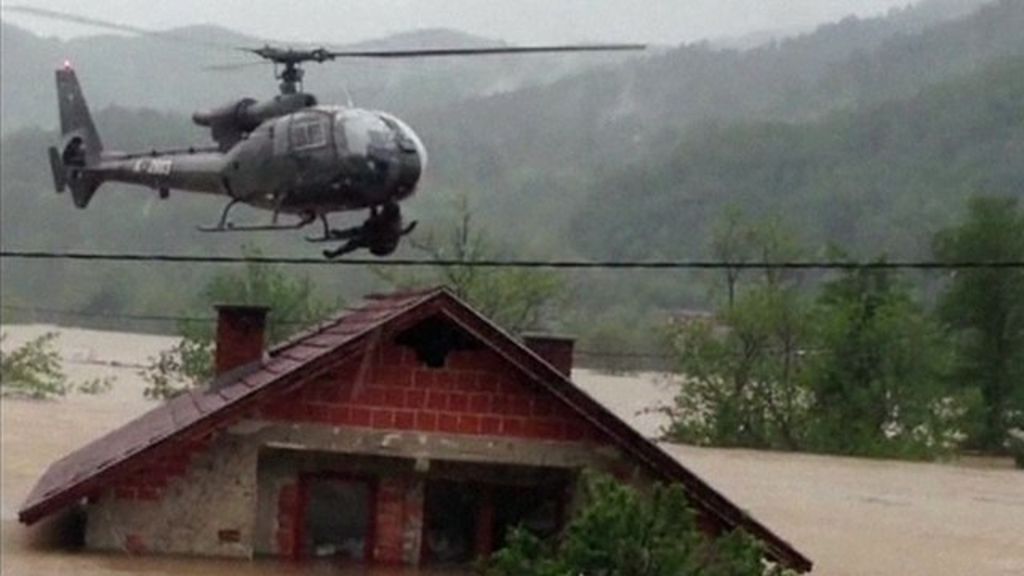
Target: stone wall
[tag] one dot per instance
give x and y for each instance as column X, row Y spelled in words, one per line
column 207, row 510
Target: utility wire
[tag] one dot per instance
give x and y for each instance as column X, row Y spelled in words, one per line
column 492, row 263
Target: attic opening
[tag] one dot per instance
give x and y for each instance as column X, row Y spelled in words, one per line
column 434, row 338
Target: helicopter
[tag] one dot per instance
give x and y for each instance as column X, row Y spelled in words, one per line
column 289, row 154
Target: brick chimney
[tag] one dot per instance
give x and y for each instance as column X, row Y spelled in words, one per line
column 240, row 335
column 556, row 350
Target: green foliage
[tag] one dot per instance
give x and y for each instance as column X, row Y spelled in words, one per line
column 33, row 370
column 516, row 299
column 741, row 373
column 877, row 372
column 862, row 370
column 621, row 531
column 985, row 309
column 293, row 305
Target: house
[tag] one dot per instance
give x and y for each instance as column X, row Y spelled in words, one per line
column 408, row 430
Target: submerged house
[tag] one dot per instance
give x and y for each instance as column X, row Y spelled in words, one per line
column 410, row 430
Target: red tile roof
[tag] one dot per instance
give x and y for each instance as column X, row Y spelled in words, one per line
column 82, row 472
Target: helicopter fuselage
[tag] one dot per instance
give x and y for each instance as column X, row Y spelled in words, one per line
column 315, row 161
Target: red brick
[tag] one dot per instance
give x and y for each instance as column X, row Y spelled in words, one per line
column 424, row 379
column 469, row 424
column 551, row 429
column 480, row 403
column 519, row 405
column 542, row 406
column 395, row 377
column 426, row 421
column 490, row 425
column 394, row 397
column 458, row 402
column 340, row 415
column 383, row 419
column 124, row 493
column 575, row 431
column 448, row 423
column 409, row 358
column 415, row 399
column 512, row 426
column 446, row 380
column 360, row 416
column 437, row 400
column 371, row 396
column 405, row 420
column 466, row 381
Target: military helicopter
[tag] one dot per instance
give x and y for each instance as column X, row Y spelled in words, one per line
column 288, row 154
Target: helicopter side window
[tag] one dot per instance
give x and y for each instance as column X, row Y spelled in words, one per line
column 308, row 134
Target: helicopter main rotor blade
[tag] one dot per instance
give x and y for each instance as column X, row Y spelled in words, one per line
column 229, row 67
column 114, row 26
column 494, row 51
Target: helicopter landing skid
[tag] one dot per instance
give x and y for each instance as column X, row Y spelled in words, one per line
column 224, row 226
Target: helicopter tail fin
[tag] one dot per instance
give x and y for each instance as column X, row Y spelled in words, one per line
column 76, row 124
column 81, row 147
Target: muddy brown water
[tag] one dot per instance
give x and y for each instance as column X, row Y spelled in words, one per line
column 852, row 517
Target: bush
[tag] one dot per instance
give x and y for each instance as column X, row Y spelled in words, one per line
column 33, row 371
column 621, row 531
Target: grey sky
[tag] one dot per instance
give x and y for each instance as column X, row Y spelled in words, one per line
column 522, row 21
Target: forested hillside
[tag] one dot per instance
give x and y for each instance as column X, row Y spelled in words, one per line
column 879, row 179
column 533, row 155
column 866, row 134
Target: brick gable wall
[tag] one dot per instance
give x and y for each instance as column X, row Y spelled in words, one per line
column 476, row 393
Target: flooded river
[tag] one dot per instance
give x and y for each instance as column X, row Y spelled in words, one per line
column 852, row 517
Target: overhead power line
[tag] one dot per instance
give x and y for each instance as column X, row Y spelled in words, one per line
column 494, row 263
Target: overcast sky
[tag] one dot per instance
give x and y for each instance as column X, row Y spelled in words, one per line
column 520, row 21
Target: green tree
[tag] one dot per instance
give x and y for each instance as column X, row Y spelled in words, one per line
column 517, row 299
column 740, row 373
column 985, row 309
column 877, row 372
column 293, row 305
column 621, row 531
column 33, row 370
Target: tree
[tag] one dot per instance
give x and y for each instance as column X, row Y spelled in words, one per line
column 877, row 372
column 741, row 373
column 621, row 531
column 985, row 309
column 293, row 305
column 516, row 299
column 33, row 371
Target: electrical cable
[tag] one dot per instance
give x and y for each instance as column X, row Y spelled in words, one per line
column 493, row 263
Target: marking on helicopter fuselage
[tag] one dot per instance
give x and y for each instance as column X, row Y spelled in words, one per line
column 153, row 166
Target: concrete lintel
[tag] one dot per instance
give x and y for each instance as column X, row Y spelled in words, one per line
column 434, row 446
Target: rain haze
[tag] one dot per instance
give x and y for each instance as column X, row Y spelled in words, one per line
column 521, row 21
column 768, row 251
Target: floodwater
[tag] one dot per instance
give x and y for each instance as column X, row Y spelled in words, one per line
column 852, row 517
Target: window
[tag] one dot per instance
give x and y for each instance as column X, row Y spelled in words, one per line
column 308, row 133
